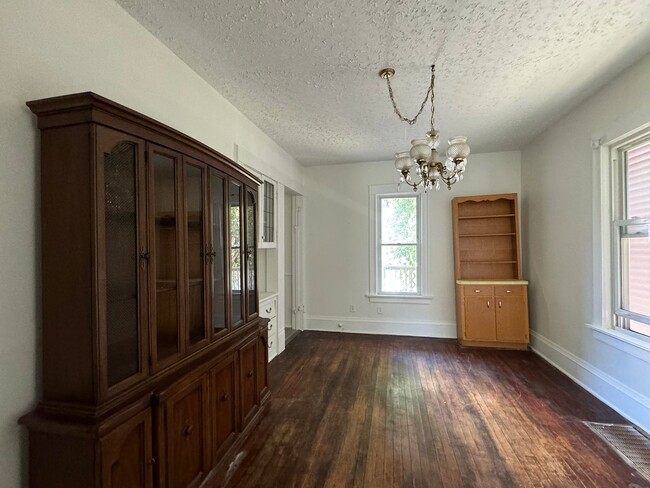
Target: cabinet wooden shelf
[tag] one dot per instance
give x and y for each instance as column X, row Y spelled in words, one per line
column 491, row 298
column 154, row 355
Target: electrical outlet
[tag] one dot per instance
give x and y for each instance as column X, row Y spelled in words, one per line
column 353, row 308
column 380, row 309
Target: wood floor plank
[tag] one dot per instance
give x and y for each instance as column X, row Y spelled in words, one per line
column 378, row 412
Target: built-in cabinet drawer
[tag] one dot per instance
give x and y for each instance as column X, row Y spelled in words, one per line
column 510, row 290
column 478, row 290
column 269, row 310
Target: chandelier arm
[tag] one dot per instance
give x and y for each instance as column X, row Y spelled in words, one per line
column 424, row 102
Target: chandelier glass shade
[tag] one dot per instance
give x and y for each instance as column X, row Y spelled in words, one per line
column 423, row 166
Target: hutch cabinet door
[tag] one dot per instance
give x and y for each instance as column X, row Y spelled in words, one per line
column 165, row 171
column 263, row 347
column 511, row 315
column 184, row 436
column 223, row 380
column 480, row 324
column 236, row 219
column 126, row 454
column 122, row 257
column 248, row 380
column 217, row 254
column 197, row 253
column 251, row 254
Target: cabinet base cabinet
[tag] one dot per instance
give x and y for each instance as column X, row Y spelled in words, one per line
column 492, row 315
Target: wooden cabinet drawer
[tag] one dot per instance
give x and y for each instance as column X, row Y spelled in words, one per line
column 478, row 290
column 510, row 290
column 269, row 308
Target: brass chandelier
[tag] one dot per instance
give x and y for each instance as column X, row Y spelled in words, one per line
column 423, row 159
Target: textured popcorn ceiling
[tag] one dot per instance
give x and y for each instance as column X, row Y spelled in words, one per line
column 305, row 71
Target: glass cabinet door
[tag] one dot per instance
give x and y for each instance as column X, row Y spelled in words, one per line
column 165, row 251
column 251, row 252
column 236, row 268
column 217, row 252
column 196, row 252
column 123, row 307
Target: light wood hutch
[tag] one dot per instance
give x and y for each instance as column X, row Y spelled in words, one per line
column 154, row 354
column 491, row 296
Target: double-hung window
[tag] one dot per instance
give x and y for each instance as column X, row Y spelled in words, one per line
column 397, row 256
column 631, row 236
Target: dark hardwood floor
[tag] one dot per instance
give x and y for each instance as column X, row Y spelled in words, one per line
column 378, row 411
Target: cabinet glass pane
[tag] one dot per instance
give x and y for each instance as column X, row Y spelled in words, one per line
column 121, row 262
column 166, row 246
column 194, row 222
column 235, row 253
column 218, row 267
column 251, row 278
column 268, row 234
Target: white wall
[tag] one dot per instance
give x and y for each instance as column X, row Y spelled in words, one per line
column 337, row 245
column 59, row 47
column 561, row 255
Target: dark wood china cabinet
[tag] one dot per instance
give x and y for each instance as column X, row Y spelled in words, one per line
column 154, row 355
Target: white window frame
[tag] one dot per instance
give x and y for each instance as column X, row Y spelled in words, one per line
column 608, row 198
column 618, row 161
column 375, row 194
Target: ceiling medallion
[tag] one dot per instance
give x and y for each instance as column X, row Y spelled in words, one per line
column 423, row 158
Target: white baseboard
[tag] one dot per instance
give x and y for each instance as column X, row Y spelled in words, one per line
column 366, row 325
column 620, row 397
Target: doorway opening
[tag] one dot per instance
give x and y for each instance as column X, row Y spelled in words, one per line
column 293, row 313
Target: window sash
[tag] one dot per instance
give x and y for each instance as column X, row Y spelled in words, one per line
column 621, row 233
column 380, row 245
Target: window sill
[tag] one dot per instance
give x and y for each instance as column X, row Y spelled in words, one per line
column 627, row 342
column 418, row 299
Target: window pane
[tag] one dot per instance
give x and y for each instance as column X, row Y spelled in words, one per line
column 638, row 181
column 399, row 220
column 637, row 298
column 399, row 269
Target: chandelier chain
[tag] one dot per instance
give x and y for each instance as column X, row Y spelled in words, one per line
column 413, row 120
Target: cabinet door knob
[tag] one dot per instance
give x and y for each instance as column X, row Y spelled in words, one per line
column 152, row 461
column 508, row 291
column 250, row 373
column 488, row 303
column 270, row 326
column 187, row 430
column 224, row 397
column 499, row 303
column 477, row 291
column 270, row 344
column 268, row 310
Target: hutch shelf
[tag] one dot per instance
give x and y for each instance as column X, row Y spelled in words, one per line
column 491, row 297
column 154, row 353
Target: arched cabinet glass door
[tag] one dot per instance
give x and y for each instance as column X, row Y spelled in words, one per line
column 251, row 253
column 122, row 260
